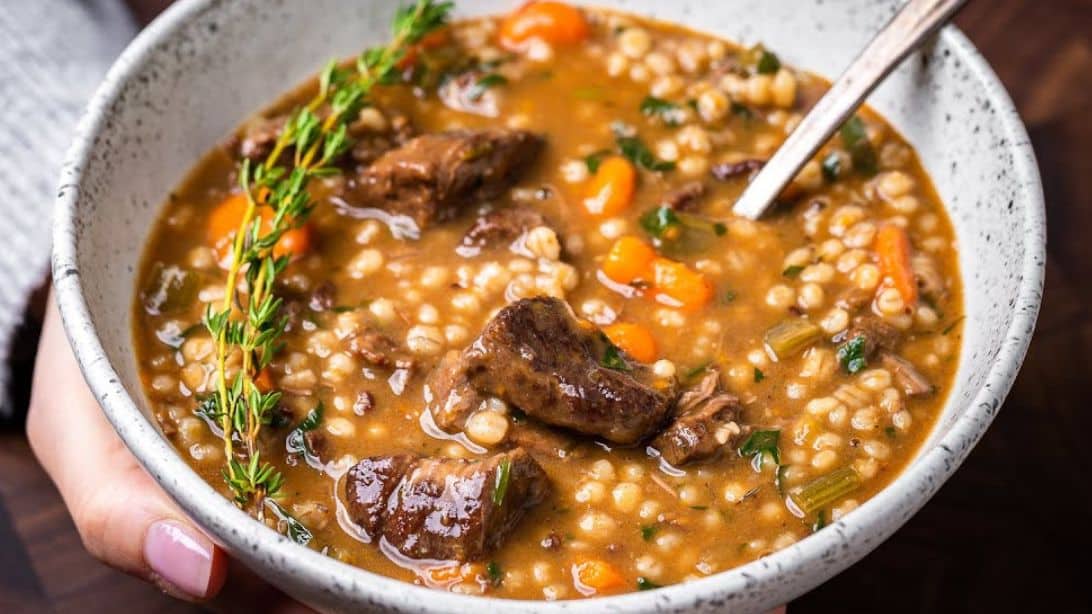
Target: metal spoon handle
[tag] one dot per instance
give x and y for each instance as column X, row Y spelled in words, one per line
column 905, row 32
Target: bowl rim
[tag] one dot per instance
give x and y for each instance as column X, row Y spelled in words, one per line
column 231, row 527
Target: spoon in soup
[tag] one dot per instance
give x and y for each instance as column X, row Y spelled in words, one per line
column 906, row 31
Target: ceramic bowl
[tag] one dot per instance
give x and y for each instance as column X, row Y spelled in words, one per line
column 205, row 65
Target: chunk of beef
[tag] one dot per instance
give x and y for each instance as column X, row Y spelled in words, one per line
column 369, row 485
column 375, row 348
column 535, row 355
column 258, row 137
column 685, row 198
column 432, row 177
column 444, row 508
column 730, row 170
column 540, row 439
column 906, row 375
column 323, row 297
column 930, row 281
column 500, row 227
column 706, row 421
column 878, row 335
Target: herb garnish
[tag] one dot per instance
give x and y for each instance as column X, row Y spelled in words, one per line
column 832, row 167
column 644, row 584
column 667, row 111
column 698, row 370
column 855, row 138
column 251, row 321
column 768, row 63
column 295, row 529
column 759, row 375
column 612, row 358
column 729, row 296
column 501, row 487
column 483, row 84
column 890, row 432
column 820, row 521
column 295, row 442
column 793, row 271
column 594, row 159
column 634, row 149
column 742, row 110
column 493, row 570
column 851, row 355
column 761, row 444
column 648, row 531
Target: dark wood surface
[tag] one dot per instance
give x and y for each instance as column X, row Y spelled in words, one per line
column 1008, row 533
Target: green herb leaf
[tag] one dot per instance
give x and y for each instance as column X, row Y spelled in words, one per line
column 668, row 112
column 851, row 355
column 660, row 222
column 729, row 296
column 832, row 167
column 294, row 529
column 501, row 487
column 779, row 479
column 855, row 139
column 742, row 110
column 759, row 375
column 890, row 432
column 296, row 443
column 951, row 327
column 820, row 521
column 768, row 63
column 761, row 444
column 648, row 531
column 612, row 358
column 700, row 508
column 644, row 584
column 493, row 570
column 483, row 84
column 793, row 271
column 593, row 160
column 698, row 370
column 637, row 152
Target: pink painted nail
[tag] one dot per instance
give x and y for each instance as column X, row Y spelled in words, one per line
column 179, row 556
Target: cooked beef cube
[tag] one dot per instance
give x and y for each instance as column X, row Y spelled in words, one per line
column 258, row 137
column 685, row 198
column 449, row 395
column 878, row 335
column 535, row 355
column 730, row 170
column 540, row 439
column 374, row 347
column 500, row 227
column 906, row 375
column 323, row 297
column 854, row 299
column 432, row 177
column 705, row 423
column 444, row 508
column 368, row 486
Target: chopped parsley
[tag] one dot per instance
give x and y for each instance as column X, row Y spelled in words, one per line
column 678, row 234
column 742, row 110
column 793, row 271
column 644, row 584
column 501, row 487
column 493, row 570
column 637, row 152
column 698, row 370
column 594, row 159
column 667, row 111
column 855, row 139
column 294, row 529
column 768, row 63
column 832, row 167
column 612, row 357
column 820, row 521
column 648, row 531
column 296, row 443
column 890, row 432
column 759, row 375
column 479, row 88
column 661, row 222
column 728, row 296
column 760, row 445
column 851, row 355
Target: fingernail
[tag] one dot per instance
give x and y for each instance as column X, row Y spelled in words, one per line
column 179, row 556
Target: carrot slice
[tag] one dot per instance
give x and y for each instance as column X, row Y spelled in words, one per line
column 677, row 285
column 597, row 575
column 610, row 190
column 224, row 223
column 556, row 23
column 635, row 339
column 893, row 249
column 628, row 259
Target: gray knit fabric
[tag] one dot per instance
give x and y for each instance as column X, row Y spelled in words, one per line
column 52, row 54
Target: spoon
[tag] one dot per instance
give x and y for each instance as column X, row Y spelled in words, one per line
column 906, row 31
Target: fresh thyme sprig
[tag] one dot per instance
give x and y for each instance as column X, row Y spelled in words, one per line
column 249, row 321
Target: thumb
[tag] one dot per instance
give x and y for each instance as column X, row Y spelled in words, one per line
column 123, row 517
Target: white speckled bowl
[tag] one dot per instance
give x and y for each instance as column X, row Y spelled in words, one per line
column 207, row 64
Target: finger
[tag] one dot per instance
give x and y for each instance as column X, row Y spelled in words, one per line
column 123, row 517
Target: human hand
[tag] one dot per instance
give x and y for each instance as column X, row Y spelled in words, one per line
column 124, row 518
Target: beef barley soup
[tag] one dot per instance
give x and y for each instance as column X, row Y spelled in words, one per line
column 473, row 311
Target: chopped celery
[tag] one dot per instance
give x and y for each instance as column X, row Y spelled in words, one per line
column 792, row 336
column 825, row 490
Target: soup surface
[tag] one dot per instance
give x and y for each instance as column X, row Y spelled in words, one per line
column 528, row 261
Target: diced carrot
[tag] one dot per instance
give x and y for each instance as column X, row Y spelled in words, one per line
column 555, row 23
column 224, row 223
column 676, row 284
column 597, row 575
column 628, row 259
column 264, row 381
column 634, row 339
column 893, row 248
column 610, row 190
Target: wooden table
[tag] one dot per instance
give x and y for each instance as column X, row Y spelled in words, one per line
column 1001, row 536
